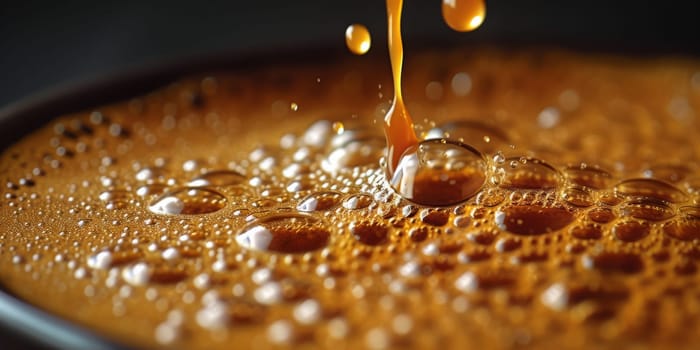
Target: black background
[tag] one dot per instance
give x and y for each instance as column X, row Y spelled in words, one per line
column 47, row 44
column 44, row 44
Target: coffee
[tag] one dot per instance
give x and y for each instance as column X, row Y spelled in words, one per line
column 550, row 199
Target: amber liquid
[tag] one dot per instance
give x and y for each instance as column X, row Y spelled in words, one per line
column 543, row 208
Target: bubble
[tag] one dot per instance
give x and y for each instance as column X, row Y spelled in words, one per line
column 588, row 176
column 439, row 173
column 650, row 188
column 532, row 219
column 601, row 215
column 508, row 244
column 577, row 196
column 284, row 233
column 354, row 153
column 484, row 280
column 115, row 199
column 529, row 174
column 357, row 201
column 609, row 261
column 150, row 190
column 148, row 174
column 647, row 209
column 490, row 197
column 218, row 178
column 435, row 217
column 587, row 231
column 671, row 173
column 484, row 137
column 188, row 201
column 320, row 201
column 683, row 229
column 369, row 232
column 630, row 231
column 318, row 134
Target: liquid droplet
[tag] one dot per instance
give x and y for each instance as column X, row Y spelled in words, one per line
column 188, row 201
column 463, row 15
column 532, row 219
column 358, row 39
column 285, row 233
column 439, row 173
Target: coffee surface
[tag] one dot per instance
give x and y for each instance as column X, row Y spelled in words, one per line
column 553, row 201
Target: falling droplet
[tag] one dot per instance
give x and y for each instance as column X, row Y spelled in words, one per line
column 463, row 15
column 358, row 39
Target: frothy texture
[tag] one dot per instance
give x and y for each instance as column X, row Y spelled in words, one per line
column 252, row 208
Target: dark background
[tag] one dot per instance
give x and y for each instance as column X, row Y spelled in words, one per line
column 45, row 45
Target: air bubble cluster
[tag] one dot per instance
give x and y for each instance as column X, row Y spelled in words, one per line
column 209, row 213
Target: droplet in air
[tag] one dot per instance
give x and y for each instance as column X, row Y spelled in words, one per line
column 358, row 39
column 463, row 15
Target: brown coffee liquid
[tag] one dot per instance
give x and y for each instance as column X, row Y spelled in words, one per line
column 553, row 202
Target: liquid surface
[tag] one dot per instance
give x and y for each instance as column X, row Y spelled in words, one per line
column 251, row 208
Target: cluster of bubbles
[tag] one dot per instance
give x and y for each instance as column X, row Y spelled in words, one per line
column 307, row 240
